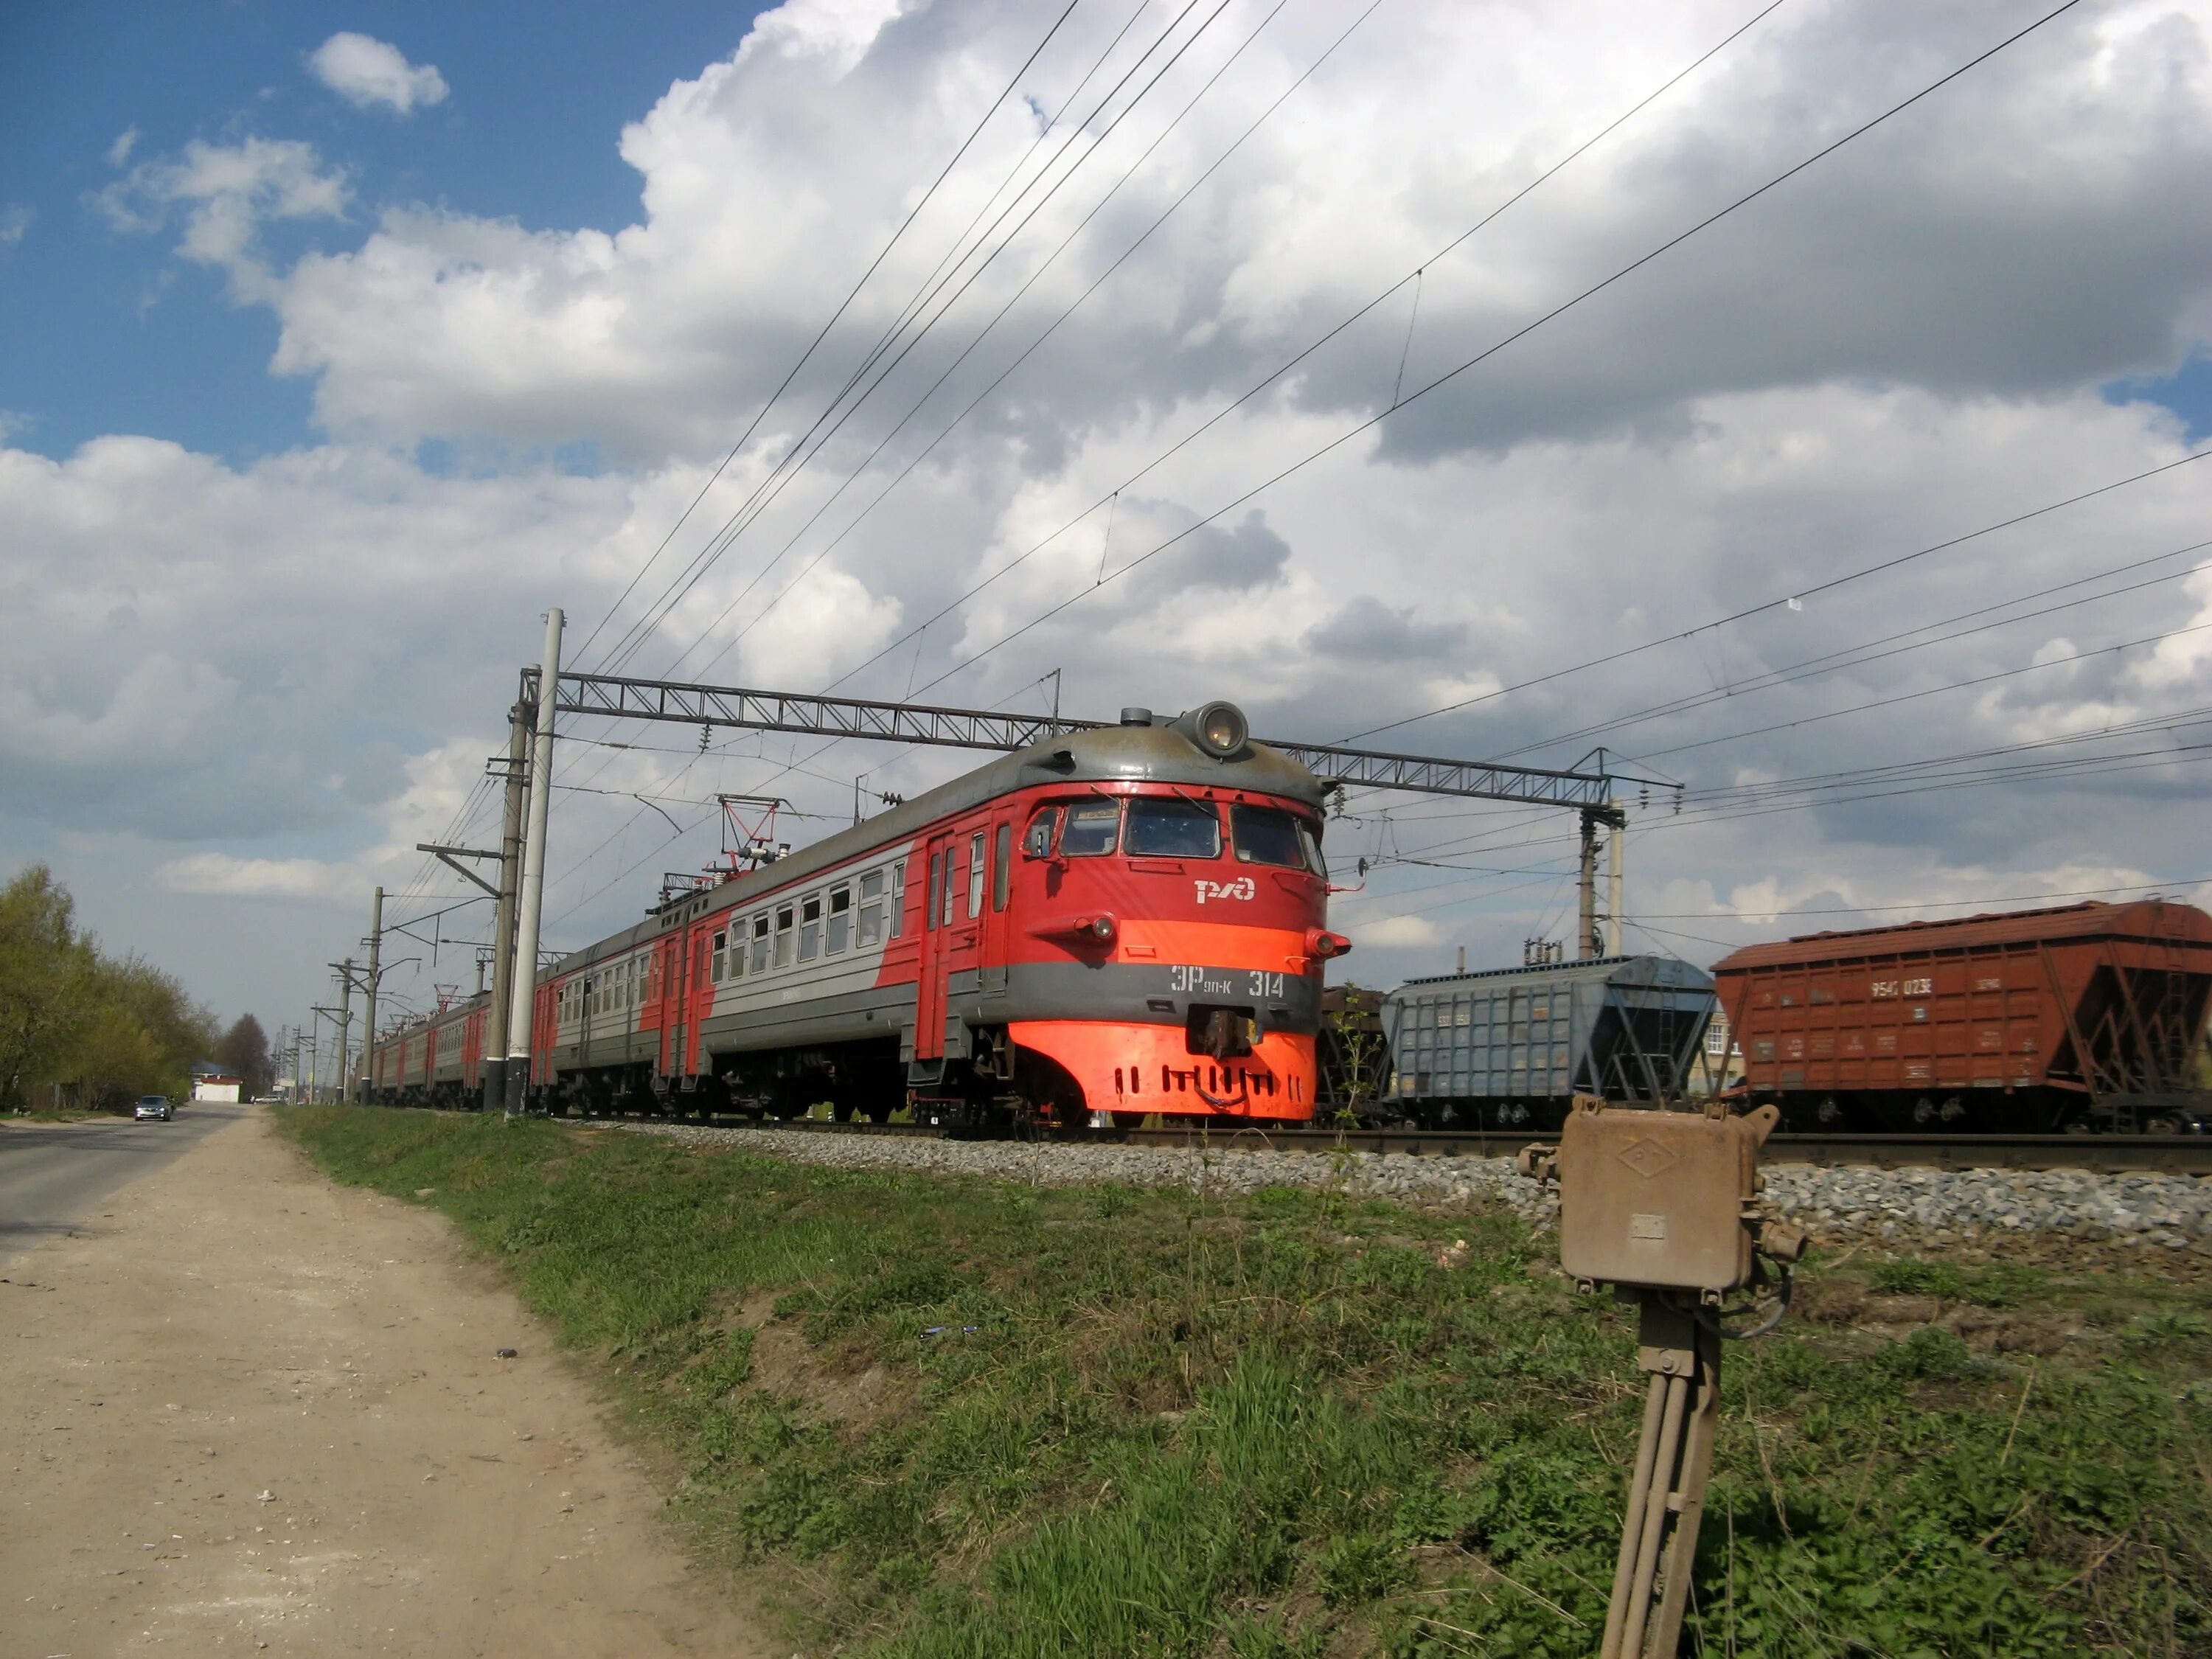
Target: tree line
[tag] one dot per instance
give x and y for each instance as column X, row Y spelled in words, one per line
column 80, row 1028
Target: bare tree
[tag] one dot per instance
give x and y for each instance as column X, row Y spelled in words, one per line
column 243, row 1052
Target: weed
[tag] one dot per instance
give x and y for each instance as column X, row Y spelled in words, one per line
column 965, row 1419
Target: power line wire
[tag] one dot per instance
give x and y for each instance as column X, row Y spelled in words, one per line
column 1453, row 373
column 765, row 493
column 951, row 426
column 1284, row 367
column 881, row 255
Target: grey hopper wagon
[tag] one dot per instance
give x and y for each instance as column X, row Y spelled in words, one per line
column 1510, row 1047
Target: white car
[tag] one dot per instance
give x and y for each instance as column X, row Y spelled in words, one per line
column 154, row 1108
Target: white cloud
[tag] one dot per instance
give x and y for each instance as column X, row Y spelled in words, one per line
column 225, row 193
column 223, row 876
column 364, row 71
column 1396, row 932
column 1902, row 345
column 119, row 152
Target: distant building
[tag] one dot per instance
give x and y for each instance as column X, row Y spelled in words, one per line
column 211, row 1082
column 1724, row 1063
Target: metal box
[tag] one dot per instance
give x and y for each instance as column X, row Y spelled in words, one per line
column 1657, row 1198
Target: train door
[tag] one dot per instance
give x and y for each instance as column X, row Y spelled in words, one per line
column 967, row 905
column 697, row 1001
column 997, row 866
column 670, row 957
column 933, row 958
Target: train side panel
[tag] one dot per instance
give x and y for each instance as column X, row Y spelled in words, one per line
column 1512, row 1047
column 2088, row 1013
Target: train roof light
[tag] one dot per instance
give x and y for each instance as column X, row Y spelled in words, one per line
column 1218, row 728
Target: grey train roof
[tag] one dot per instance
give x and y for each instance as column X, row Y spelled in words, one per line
column 1668, row 971
column 1157, row 753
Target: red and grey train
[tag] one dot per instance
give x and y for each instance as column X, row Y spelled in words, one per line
column 1121, row 920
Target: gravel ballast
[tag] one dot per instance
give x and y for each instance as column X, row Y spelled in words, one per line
column 2151, row 1211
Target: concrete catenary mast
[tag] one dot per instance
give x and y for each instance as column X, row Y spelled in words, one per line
column 531, row 896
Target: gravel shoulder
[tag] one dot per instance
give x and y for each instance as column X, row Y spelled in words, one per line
column 2160, row 1224
column 250, row 1411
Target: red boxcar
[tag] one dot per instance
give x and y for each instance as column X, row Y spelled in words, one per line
column 2087, row 1016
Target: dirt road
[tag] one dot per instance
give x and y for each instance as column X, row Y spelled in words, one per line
column 245, row 1411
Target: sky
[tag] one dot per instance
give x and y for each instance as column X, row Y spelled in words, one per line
column 1491, row 381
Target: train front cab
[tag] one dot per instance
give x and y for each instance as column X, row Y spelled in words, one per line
column 1155, row 941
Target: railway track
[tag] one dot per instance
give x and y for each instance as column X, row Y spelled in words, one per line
column 2096, row 1154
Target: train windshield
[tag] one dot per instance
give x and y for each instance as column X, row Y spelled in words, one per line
column 1265, row 836
column 1091, row 828
column 1312, row 843
column 1170, row 827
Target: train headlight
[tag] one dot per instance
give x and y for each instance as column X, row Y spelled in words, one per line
column 1218, row 728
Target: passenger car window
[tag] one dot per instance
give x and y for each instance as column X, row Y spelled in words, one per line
column 1002, row 865
column 760, row 942
column 976, row 843
column 1170, row 827
column 929, row 894
column 1265, row 835
column 1091, row 828
column 810, row 928
column 871, row 909
column 841, row 920
column 1036, row 840
column 722, row 955
column 898, row 897
column 783, row 936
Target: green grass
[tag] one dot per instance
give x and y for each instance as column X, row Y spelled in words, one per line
column 954, row 1418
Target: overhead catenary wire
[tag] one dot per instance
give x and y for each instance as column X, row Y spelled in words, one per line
column 906, row 471
column 766, row 491
column 1283, row 369
column 1926, row 691
column 1780, row 601
column 1856, row 656
column 663, row 845
column 1465, row 235
column 767, row 488
column 823, row 332
column 1453, row 373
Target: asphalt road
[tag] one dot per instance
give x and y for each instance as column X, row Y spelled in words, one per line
column 54, row 1176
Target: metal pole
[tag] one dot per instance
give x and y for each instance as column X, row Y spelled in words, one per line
column 1616, row 933
column 529, row 897
column 1586, row 941
column 375, row 957
column 1667, row 1490
column 502, row 931
column 345, row 1027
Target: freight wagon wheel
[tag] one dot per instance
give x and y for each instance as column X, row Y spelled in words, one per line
column 2165, row 1123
